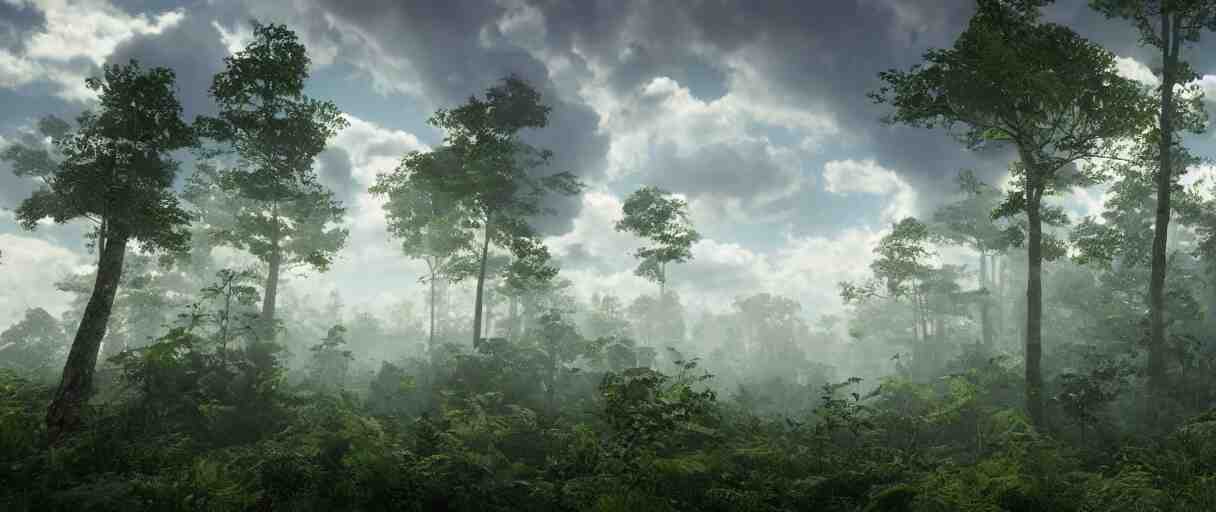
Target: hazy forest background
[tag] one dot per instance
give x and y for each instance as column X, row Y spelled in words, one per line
column 1000, row 352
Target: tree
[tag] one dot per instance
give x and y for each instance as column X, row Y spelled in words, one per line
column 279, row 212
column 772, row 328
column 1120, row 245
column 658, row 319
column 662, row 219
column 493, row 181
column 1053, row 95
column 430, row 224
column 901, row 273
column 969, row 222
column 114, row 170
column 606, row 317
column 232, row 291
column 1166, row 25
column 559, row 344
column 330, row 361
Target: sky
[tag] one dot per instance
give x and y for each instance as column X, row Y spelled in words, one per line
column 753, row 110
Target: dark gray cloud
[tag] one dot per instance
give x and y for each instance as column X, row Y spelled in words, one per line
column 579, row 256
column 443, row 43
column 192, row 48
column 642, row 62
column 821, row 56
column 740, row 170
column 335, row 173
column 17, row 23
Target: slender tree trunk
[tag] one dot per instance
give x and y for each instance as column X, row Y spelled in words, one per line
column 925, row 321
column 431, row 340
column 1034, row 303
column 1156, row 287
column 662, row 283
column 986, row 303
column 481, row 282
column 272, row 291
column 513, row 312
column 551, row 387
column 275, row 263
column 64, row 415
column 939, row 337
column 227, row 312
column 998, row 294
column 525, row 309
column 490, row 298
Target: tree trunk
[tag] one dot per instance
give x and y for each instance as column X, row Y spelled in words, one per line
column 1034, row 303
column 272, row 292
column 925, row 321
column 662, row 282
column 525, row 309
column 275, row 263
column 76, row 384
column 939, row 338
column 481, row 282
column 1156, row 287
column 431, row 340
column 490, row 298
column 985, row 303
column 513, row 312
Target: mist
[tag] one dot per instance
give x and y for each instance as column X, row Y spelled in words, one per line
column 544, row 255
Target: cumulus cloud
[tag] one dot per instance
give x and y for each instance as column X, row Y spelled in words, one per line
column 75, row 39
column 371, row 262
column 598, row 259
column 845, row 177
column 712, row 152
column 28, row 270
column 1135, row 70
column 754, row 111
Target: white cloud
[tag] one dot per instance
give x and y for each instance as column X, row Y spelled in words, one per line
column 716, row 152
column 594, row 229
column 16, row 71
column 28, row 268
column 804, row 268
column 1207, row 83
column 76, row 30
column 844, row 177
column 371, row 265
column 91, row 29
column 1133, row 69
column 236, row 38
column 374, row 149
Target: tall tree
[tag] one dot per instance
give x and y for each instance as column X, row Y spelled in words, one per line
column 430, row 224
column 1055, row 96
column 968, row 222
column 662, row 219
column 1166, row 25
column 606, row 317
column 494, row 180
column 114, row 170
column 902, row 272
column 283, row 215
column 772, row 328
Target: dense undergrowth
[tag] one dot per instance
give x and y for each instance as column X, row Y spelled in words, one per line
column 189, row 425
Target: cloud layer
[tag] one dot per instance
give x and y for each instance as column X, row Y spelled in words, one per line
column 754, row 111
